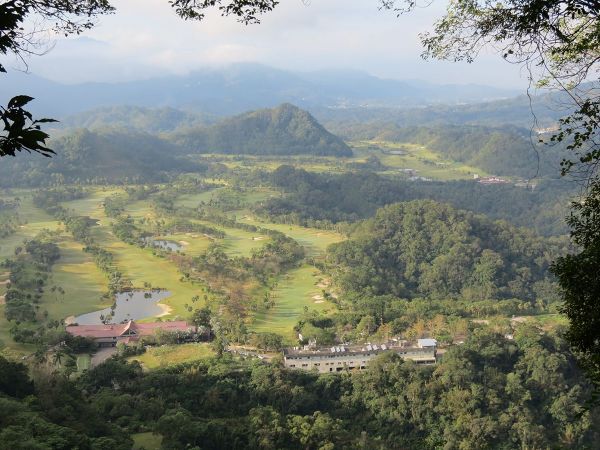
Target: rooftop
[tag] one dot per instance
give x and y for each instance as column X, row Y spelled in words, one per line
column 397, row 345
column 123, row 329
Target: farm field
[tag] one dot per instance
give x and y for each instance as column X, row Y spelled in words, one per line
column 423, row 161
column 396, row 155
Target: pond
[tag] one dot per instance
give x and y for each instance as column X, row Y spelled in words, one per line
column 163, row 244
column 133, row 305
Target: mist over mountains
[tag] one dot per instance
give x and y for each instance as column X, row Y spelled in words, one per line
column 243, row 87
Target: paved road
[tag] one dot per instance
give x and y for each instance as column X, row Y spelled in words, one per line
column 102, row 355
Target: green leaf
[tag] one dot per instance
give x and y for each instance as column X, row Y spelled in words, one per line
column 19, row 101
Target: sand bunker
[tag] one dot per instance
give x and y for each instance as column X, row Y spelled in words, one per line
column 258, row 238
column 317, row 297
column 319, row 301
column 2, row 299
column 184, row 242
column 519, row 319
column 166, row 310
column 69, row 320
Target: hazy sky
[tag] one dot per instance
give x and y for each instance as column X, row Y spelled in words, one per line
column 145, row 38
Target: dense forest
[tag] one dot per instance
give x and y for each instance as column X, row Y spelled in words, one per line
column 101, row 156
column 349, row 197
column 428, row 249
column 486, row 393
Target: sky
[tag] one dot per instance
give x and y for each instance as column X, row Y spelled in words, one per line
column 145, row 39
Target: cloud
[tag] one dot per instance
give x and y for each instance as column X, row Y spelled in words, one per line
column 140, row 42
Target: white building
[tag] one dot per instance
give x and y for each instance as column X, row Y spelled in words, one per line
column 340, row 358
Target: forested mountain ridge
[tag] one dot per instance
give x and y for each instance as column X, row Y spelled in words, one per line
column 105, row 155
column 148, row 120
column 429, row 249
column 284, row 130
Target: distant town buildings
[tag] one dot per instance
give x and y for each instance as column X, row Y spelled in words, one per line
column 340, row 358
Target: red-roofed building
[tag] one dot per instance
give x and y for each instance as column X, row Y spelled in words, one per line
column 109, row 335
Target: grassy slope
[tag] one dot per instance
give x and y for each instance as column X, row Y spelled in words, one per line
column 427, row 163
column 81, row 280
column 146, row 441
column 315, row 241
column 167, row 355
column 295, row 291
column 37, row 220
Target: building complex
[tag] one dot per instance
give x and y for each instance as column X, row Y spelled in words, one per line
column 340, row 358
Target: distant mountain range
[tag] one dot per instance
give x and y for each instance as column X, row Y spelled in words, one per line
column 243, row 87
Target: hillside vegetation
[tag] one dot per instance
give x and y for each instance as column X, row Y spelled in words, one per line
column 105, row 155
column 507, row 151
column 312, row 197
column 424, row 248
column 285, row 130
column 149, row 120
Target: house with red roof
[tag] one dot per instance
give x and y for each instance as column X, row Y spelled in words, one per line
column 111, row 334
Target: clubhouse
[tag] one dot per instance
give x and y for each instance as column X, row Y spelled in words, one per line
column 111, row 334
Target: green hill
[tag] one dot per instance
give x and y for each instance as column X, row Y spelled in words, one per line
column 429, row 249
column 285, row 130
column 107, row 155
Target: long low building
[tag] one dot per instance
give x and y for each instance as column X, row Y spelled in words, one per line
column 340, row 358
column 111, row 334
